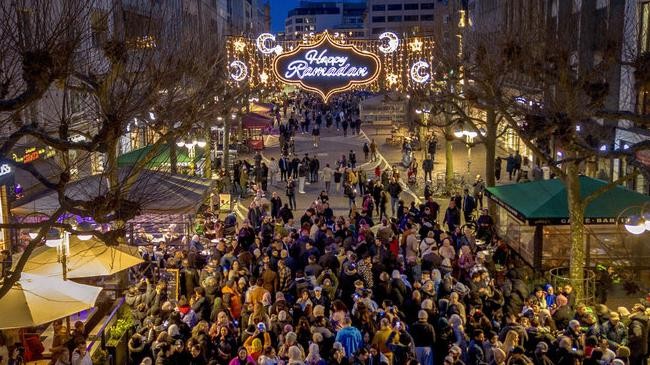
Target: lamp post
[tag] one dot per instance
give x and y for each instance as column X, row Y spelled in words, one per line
column 469, row 141
column 191, row 145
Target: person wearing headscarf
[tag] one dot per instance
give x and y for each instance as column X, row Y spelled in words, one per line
column 313, row 357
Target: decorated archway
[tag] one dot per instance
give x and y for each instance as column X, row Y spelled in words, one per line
column 327, row 64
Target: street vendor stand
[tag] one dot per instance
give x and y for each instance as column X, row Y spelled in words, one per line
column 254, row 127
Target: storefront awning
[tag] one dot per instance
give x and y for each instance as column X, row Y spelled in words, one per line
column 261, row 108
column 256, row 121
column 156, row 192
column 161, row 159
column 545, row 202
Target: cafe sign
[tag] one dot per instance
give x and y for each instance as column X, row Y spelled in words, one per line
column 327, row 67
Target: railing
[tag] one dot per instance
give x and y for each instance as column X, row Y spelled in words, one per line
column 101, row 333
column 560, row 277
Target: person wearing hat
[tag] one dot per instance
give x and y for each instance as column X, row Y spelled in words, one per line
column 615, row 331
column 638, row 334
column 424, row 336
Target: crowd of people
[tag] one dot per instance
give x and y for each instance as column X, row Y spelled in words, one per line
column 386, row 283
column 405, row 285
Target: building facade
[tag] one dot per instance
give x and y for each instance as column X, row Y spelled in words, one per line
column 247, row 17
column 593, row 31
column 404, row 17
column 315, row 17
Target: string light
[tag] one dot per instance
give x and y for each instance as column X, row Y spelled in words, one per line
column 416, row 45
column 392, row 79
column 264, row 77
column 241, row 71
column 405, row 64
column 240, row 46
column 416, row 72
column 393, row 42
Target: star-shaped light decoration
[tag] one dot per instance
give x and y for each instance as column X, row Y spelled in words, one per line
column 391, row 78
column 416, row 45
column 264, row 77
column 240, row 46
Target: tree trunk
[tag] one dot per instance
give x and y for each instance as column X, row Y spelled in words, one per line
column 207, row 153
column 490, row 153
column 173, row 159
column 449, row 157
column 226, row 145
column 114, row 185
column 578, row 242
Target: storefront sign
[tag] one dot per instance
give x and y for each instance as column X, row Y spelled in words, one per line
column 34, row 153
column 327, row 67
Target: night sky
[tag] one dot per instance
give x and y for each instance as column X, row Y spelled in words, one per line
column 279, row 10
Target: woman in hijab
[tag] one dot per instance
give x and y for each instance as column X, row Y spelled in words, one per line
column 313, row 357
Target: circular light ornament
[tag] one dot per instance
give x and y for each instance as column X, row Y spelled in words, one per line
column 393, row 42
column 278, row 50
column 416, row 72
column 635, row 225
column 261, row 43
column 240, row 70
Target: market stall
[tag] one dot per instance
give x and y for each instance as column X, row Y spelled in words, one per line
column 534, row 219
column 254, row 127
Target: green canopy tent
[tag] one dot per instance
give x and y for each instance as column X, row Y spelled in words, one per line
column 545, row 201
column 161, row 159
column 534, row 219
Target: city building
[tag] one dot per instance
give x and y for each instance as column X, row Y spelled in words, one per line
column 594, row 30
column 318, row 16
column 248, row 17
column 403, row 17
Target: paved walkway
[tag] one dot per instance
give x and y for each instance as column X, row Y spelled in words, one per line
column 333, row 144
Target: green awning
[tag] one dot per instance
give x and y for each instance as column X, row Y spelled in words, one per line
column 545, row 201
column 161, row 159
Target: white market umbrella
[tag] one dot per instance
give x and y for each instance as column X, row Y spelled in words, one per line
column 36, row 299
column 86, row 259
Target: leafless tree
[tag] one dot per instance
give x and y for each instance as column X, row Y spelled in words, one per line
column 94, row 72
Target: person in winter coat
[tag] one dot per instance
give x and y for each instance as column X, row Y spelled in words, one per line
column 349, row 337
column 638, row 335
column 138, row 349
column 615, row 331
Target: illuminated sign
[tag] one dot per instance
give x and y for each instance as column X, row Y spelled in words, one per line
column 34, row 153
column 327, row 67
column 5, row 169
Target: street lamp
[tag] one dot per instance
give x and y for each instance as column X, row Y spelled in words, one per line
column 85, row 230
column 53, row 238
column 637, row 223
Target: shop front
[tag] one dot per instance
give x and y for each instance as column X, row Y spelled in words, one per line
column 534, row 219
